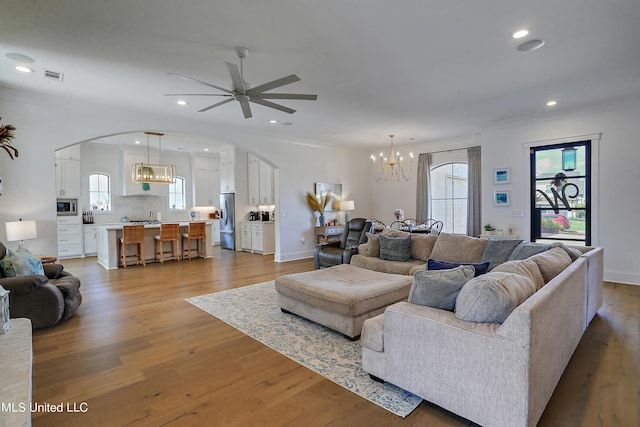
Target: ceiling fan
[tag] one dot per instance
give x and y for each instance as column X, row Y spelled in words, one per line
column 242, row 92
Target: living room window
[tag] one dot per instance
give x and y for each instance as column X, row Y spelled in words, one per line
column 561, row 193
column 177, row 200
column 449, row 196
column 100, row 192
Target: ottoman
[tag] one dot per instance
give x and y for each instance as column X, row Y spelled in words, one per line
column 341, row 297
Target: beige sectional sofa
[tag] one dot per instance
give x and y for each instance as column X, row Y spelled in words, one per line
column 494, row 373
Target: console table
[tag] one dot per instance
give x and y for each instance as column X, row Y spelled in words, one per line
column 15, row 384
column 327, row 233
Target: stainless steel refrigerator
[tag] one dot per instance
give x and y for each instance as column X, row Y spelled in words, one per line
column 227, row 221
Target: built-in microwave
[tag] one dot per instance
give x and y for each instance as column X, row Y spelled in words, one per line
column 67, row 207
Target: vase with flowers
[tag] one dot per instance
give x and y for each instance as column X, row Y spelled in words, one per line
column 318, row 203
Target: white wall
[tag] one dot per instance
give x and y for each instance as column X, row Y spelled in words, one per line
column 45, row 124
column 618, row 197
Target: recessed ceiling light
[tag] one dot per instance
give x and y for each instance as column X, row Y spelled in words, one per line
column 24, row 69
column 136, row 142
column 206, row 149
column 530, row 45
column 182, row 102
column 520, row 33
column 273, row 122
column 551, row 103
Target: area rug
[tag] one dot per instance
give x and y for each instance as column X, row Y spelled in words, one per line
column 254, row 311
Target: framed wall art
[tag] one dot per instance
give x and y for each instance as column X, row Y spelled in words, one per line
column 502, row 198
column 502, row 176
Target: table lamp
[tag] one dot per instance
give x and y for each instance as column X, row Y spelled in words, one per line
column 347, row 206
column 21, row 230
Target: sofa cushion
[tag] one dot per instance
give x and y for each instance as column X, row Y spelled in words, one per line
column 373, row 245
column 525, row 267
column 383, row 266
column 439, row 288
column 526, row 249
column 492, row 297
column 497, row 251
column 434, row 264
column 458, row 248
column 551, row 262
column 421, row 244
column 20, row 264
column 395, row 248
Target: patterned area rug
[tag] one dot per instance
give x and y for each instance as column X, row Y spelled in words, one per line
column 254, row 311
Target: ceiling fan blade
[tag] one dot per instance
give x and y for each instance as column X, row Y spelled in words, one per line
column 287, row 96
column 244, row 104
column 273, row 105
column 273, row 84
column 201, row 82
column 215, row 105
column 236, row 78
column 197, row 94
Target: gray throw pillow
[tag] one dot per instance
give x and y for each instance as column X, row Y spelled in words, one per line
column 497, row 251
column 439, row 288
column 395, row 248
column 490, row 298
column 526, row 249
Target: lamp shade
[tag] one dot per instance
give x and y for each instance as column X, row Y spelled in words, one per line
column 20, row 230
column 347, row 205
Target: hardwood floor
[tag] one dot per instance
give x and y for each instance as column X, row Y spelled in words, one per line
column 137, row 354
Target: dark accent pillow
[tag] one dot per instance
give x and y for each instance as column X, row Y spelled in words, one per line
column 498, row 251
column 439, row 288
column 526, row 249
column 395, row 248
column 434, row 264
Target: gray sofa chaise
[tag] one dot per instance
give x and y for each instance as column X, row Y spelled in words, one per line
column 503, row 369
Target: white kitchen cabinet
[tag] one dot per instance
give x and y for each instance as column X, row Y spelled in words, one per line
column 207, row 181
column 227, row 170
column 68, row 178
column 263, row 237
column 90, row 233
column 260, row 181
column 245, row 236
column 69, row 236
column 215, row 231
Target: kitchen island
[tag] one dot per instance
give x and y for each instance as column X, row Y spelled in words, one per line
column 109, row 235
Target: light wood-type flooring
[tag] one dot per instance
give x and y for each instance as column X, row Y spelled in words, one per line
column 137, row 354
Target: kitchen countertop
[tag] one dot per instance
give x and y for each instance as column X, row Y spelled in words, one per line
column 119, row 225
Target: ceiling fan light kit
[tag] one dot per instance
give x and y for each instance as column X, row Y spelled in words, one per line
column 244, row 94
column 392, row 167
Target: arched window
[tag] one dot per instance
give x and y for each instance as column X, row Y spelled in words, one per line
column 176, row 195
column 100, row 192
column 449, row 196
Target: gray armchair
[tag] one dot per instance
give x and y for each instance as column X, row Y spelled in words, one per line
column 339, row 252
column 44, row 299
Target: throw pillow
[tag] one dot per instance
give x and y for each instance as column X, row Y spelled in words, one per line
column 373, row 245
column 497, row 251
column 21, row 264
column 422, row 245
column 574, row 253
column 439, row 288
column 490, row 298
column 551, row 263
column 525, row 267
column 458, row 248
column 434, row 264
column 395, row 248
column 526, row 249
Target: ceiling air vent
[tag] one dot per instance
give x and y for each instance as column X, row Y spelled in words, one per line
column 53, row 75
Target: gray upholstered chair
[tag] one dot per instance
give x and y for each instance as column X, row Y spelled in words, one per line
column 339, row 252
column 44, row 299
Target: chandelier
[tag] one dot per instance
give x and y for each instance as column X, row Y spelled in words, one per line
column 392, row 167
column 147, row 172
